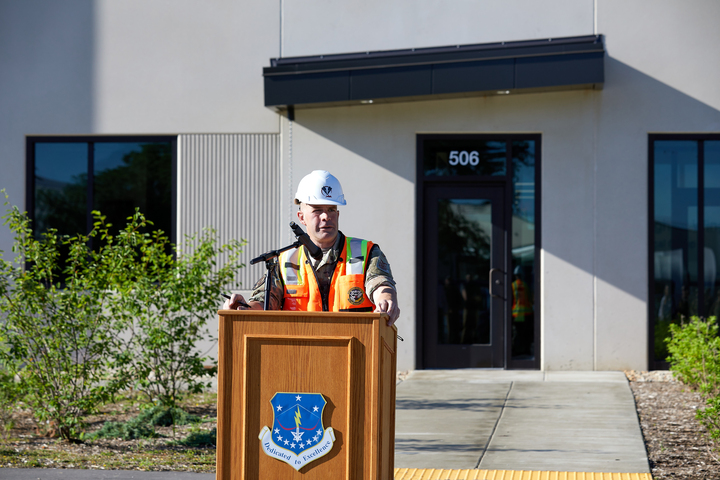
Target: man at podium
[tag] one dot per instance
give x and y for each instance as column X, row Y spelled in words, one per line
column 345, row 274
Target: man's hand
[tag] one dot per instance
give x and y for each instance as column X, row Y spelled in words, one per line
column 235, row 303
column 386, row 302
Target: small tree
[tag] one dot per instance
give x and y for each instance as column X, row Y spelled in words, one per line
column 125, row 311
column 167, row 305
column 58, row 338
column 695, row 359
column 10, row 396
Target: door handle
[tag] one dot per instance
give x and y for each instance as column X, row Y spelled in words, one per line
column 496, row 283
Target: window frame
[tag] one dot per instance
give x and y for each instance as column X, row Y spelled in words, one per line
column 700, row 138
column 505, row 181
column 32, row 140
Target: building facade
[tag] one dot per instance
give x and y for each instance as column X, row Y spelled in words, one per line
column 540, row 175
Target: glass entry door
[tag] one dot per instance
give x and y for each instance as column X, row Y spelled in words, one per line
column 465, row 283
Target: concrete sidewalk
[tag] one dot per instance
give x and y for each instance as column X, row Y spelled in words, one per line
column 488, row 420
column 518, row 420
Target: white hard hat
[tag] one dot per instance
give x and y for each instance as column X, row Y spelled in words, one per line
column 320, row 188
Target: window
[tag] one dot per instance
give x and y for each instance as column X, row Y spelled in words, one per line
column 684, row 233
column 69, row 177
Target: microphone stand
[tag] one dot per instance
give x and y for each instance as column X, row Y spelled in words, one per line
column 271, row 264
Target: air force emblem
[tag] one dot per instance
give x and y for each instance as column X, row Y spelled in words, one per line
column 298, row 436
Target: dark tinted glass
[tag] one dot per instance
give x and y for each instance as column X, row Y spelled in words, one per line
column 464, row 157
column 464, row 252
column 61, row 187
column 523, row 249
column 129, row 175
column 675, row 256
column 711, row 224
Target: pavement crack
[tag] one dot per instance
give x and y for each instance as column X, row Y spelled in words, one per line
column 497, row 422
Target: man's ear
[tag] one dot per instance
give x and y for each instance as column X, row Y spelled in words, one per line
column 301, row 217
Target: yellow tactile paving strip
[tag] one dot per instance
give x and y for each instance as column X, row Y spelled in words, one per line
column 444, row 474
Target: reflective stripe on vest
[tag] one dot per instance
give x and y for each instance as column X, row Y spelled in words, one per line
column 290, row 266
column 356, row 265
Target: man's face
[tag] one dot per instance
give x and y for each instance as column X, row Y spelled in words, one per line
column 321, row 222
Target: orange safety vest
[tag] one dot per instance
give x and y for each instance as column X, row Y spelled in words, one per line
column 347, row 288
column 522, row 306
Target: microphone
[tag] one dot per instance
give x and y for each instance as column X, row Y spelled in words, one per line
column 303, row 237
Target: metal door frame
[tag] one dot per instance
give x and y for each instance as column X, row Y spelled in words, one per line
column 481, row 181
column 462, row 355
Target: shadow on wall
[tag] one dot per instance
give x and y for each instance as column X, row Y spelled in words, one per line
column 631, row 105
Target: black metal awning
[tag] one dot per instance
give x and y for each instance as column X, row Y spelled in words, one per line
column 438, row 72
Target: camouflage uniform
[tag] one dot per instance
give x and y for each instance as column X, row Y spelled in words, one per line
column 378, row 274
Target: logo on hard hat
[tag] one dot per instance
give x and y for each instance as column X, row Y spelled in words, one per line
column 355, row 296
column 327, row 191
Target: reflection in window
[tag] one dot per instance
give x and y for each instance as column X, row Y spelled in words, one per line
column 523, row 250
column 61, row 173
column 711, row 227
column 686, row 233
column 464, row 233
column 129, row 175
column 122, row 176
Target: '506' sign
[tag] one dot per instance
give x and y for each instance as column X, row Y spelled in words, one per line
column 463, row 157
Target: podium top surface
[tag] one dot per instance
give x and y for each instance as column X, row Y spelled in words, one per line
column 280, row 314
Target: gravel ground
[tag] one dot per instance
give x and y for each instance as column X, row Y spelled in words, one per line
column 676, row 443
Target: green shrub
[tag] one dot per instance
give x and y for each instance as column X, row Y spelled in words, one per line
column 57, row 333
column 143, row 425
column 167, row 306
column 695, row 360
column 161, row 416
column 709, row 416
column 130, row 430
column 10, row 396
column 63, row 319
column 695, row 354
column 199, row 438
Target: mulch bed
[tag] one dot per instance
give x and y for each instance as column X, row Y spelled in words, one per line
column 677, row 445
column 33, row 446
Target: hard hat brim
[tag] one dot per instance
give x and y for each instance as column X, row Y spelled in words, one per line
column 321, row 201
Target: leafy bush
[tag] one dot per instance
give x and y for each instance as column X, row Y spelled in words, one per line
column 166, row 306
column 130, row 430
column 161, row 416
column 9, row 398
column 709, row 416
column 127, row 311
column 695, row 354
column 695, row 359
column 58, row 337
column 143, row 425
column 199, row 438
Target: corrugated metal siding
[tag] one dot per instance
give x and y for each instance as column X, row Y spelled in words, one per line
column 231, row 183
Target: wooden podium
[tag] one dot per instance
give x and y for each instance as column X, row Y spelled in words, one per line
column 348, row 358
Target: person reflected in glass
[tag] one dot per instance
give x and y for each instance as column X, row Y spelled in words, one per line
column 523, row 315
column 665, row 310
column 714, row 310
column 683, row 309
